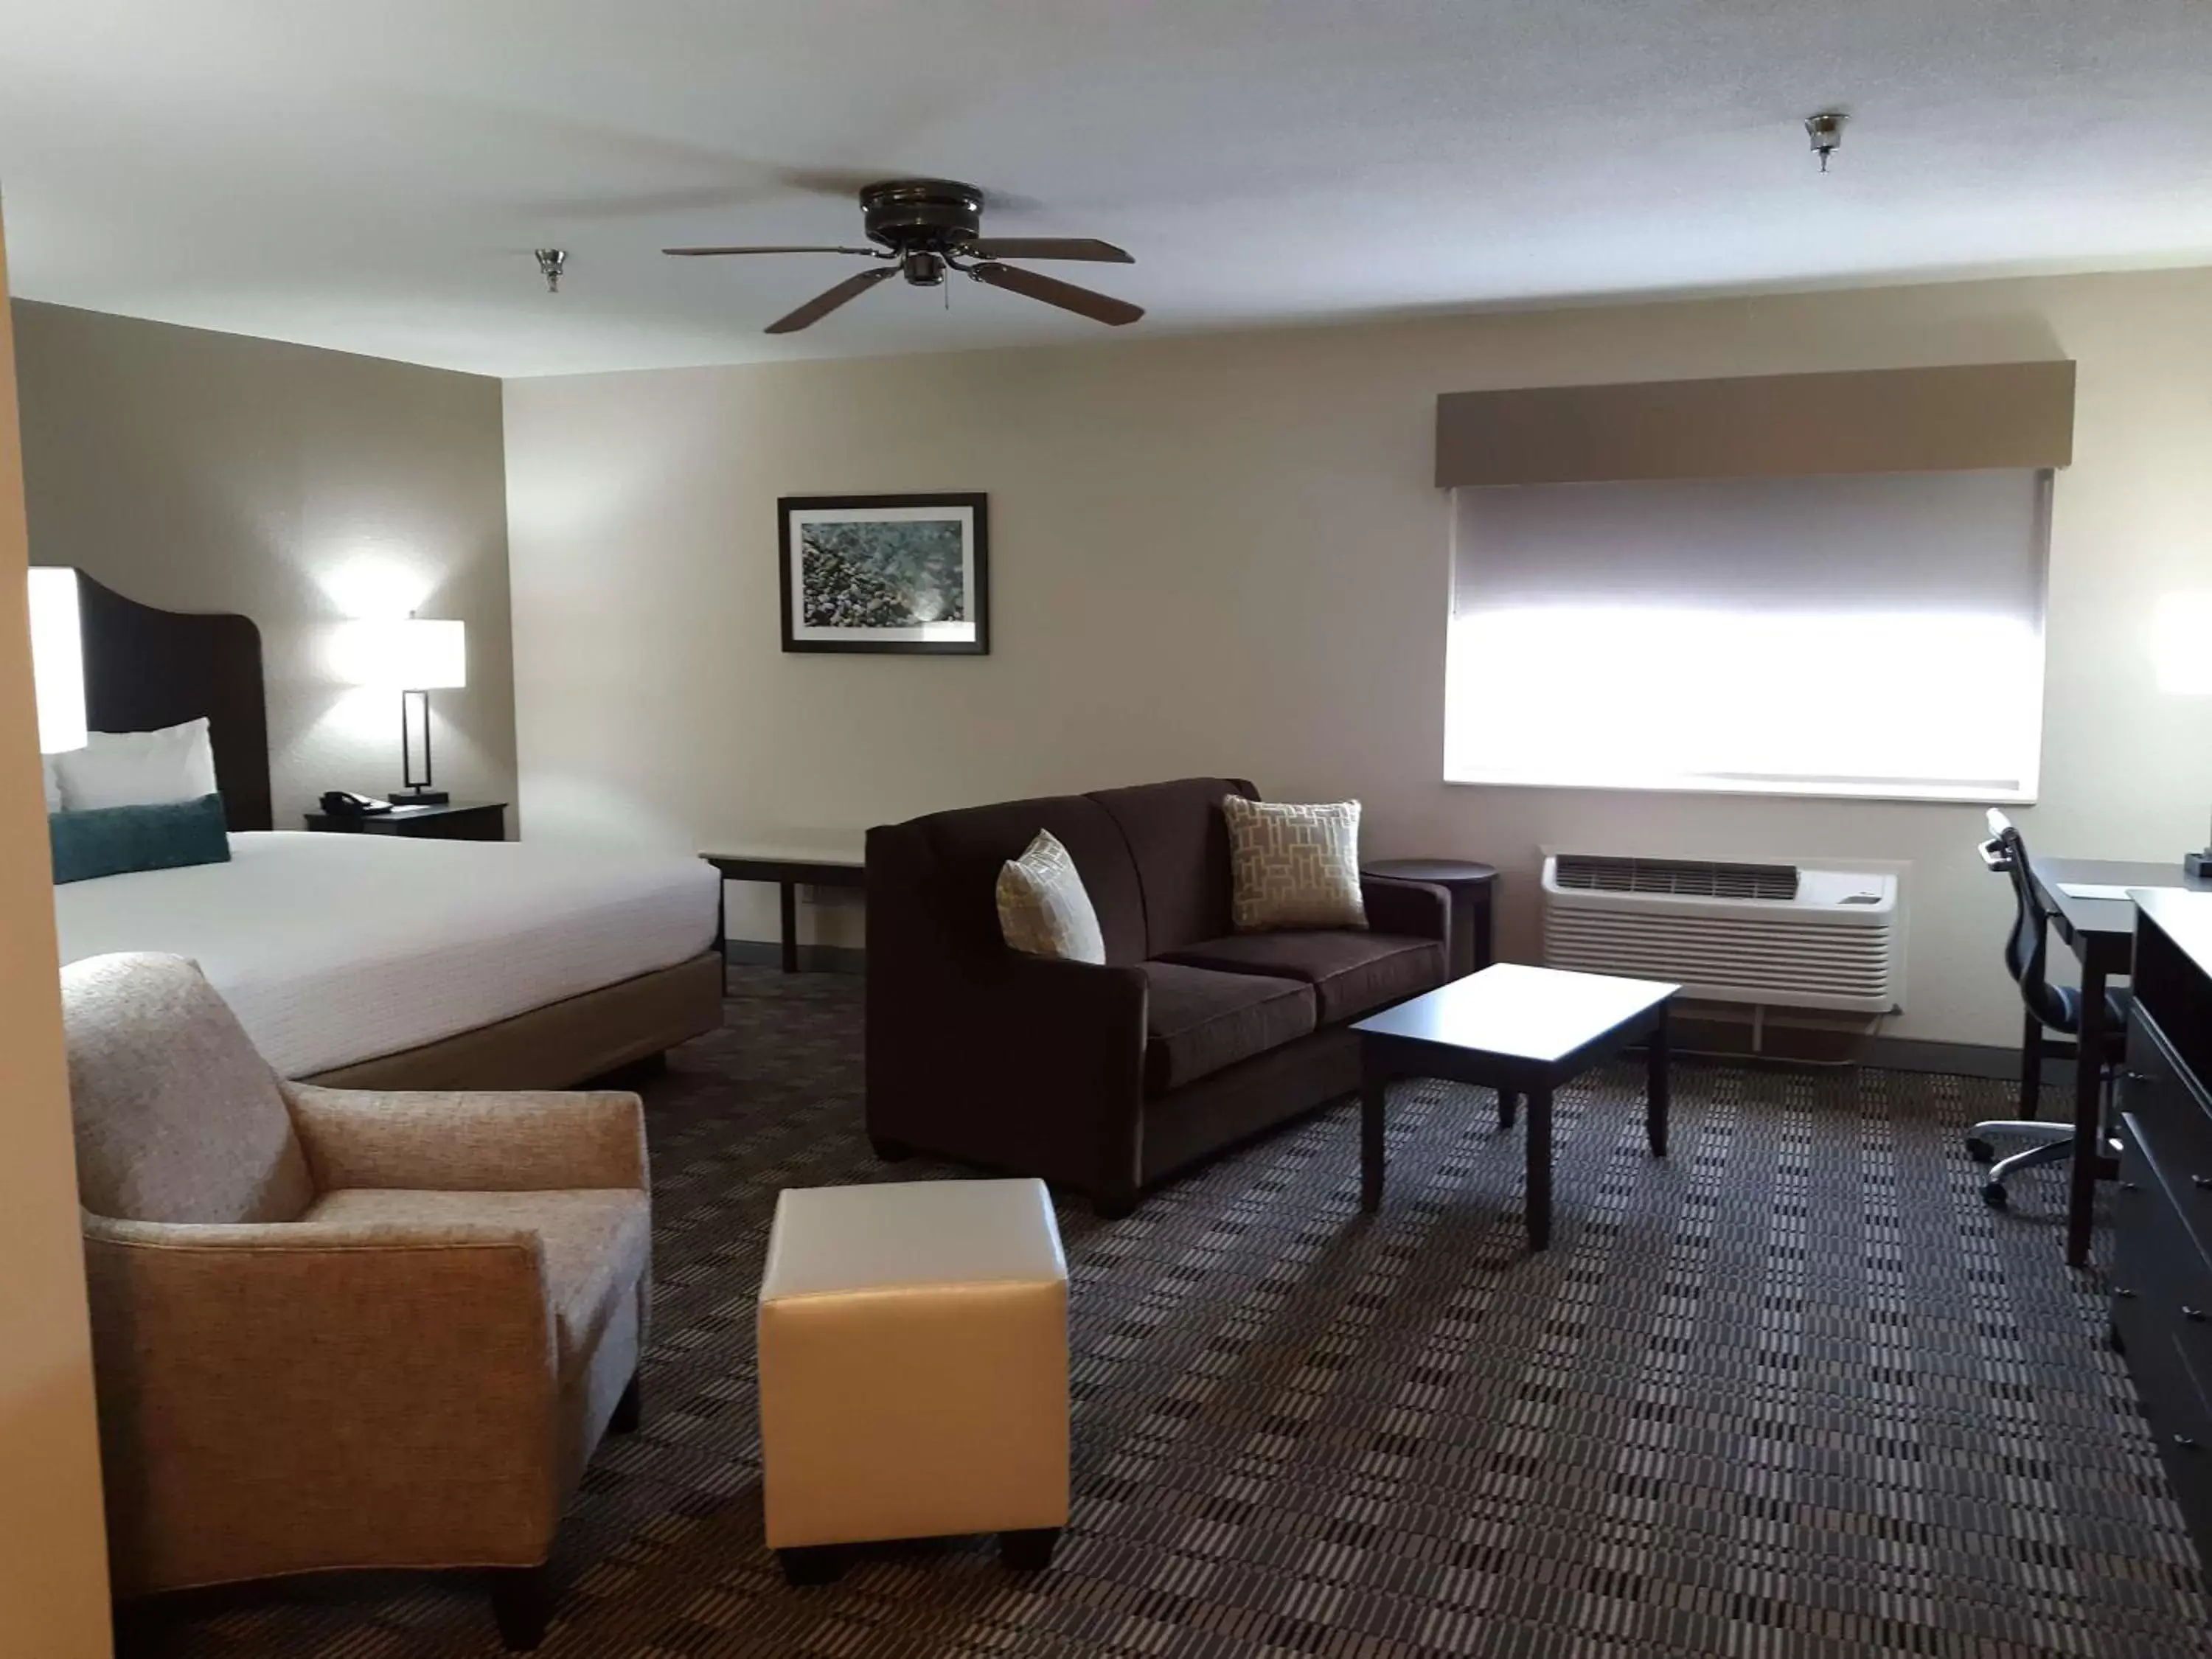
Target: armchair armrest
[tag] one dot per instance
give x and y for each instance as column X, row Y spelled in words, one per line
column 442, row 1140
column 1414, row 909
column 331, row 1391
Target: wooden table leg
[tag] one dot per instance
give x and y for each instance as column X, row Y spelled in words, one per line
column 1486, row 928
column 1538, row 1198
column 789, row 895
column 1655, row 1089
column 1373, row 1085
column 2088, row 1116
column 1507, row 1100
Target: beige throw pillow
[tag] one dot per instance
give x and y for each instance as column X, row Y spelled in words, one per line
column 1293, row 867
column 1043, row 908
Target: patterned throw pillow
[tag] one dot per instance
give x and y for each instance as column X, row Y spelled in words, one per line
column 1293, row 867
column 1043, row 908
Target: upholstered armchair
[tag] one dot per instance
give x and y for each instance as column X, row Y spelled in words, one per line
column 342, row 1328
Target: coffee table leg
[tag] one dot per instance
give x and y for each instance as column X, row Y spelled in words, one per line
column 1372, row 1085
column 1506, row 1102
column 1654, row 1089
column 1539, row 1199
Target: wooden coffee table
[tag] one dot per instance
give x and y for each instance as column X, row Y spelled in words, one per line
column 1520, row 1031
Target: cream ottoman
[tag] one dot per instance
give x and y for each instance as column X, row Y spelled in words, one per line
column 912, row 1369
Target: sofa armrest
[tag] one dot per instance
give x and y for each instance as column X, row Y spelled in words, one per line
column 1014, row 1062
column 283, row 1397
column 1414, row 909
column 452, row 1140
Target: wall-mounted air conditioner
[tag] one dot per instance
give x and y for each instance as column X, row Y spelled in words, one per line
column 1774, row 935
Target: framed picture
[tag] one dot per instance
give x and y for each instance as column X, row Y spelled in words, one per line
column 885, row 573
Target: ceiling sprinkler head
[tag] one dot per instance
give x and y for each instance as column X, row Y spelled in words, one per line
column 551, row 261
column 1827, row 131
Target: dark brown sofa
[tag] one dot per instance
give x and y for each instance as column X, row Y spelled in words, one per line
column 1106, row 1078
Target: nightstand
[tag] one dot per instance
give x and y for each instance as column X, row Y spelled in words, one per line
column 450, row 821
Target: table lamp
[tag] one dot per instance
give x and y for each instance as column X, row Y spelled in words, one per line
column 2182, row 648
column 414, row 657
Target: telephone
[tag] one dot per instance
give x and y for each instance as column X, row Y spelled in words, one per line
column 344, row 804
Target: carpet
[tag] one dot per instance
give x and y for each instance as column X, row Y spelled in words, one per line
column 1792, row 1391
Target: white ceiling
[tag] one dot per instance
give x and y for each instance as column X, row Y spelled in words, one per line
column 373, row 176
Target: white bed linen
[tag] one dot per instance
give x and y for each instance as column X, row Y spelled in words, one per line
column 338, row 948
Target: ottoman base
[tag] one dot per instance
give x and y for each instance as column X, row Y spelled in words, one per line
column 1026, row 1550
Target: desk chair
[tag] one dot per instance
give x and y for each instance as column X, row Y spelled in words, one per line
column 2048, row 1008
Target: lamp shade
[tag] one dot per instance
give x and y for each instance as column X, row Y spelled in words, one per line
column 406, row 654
column 56, row 658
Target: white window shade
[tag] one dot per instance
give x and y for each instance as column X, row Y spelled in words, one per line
column 1876, row 635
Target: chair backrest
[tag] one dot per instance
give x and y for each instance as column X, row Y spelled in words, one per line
column 2028, row 947
column 178, row 1117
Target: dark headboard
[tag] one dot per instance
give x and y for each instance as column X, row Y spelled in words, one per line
column 145, row 669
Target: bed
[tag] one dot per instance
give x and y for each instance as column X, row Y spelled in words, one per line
column 385, row 962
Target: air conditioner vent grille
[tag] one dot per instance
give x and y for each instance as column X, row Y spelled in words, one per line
column 1686, row 877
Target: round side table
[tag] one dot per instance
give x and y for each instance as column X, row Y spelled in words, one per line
column 1474, row 924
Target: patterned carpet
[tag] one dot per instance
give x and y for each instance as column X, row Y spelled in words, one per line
column 1792, row 1392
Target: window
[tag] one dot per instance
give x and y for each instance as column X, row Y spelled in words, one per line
column 1874, row 635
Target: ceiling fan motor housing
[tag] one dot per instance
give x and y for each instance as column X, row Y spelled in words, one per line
column 922, row 216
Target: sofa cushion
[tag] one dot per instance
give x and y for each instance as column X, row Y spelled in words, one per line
column 1351, row 973
column 1198, row 1021
column 1043, row 908
column 1180, row 846
column 1293, row 866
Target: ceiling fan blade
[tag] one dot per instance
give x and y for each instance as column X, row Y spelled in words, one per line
column 823, row 304
column 1099, row 307
column 710, row 253
column 1049, row 247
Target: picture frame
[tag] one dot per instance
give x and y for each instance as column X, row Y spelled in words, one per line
column 907, row 574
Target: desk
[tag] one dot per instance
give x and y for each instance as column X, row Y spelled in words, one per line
column 2101, row 934
column 787, row 867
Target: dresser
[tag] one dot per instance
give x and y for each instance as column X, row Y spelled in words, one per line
column 2162, row 1224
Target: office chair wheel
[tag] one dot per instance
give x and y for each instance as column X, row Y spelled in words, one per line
column 1993, row 1195
column 1980, row 1150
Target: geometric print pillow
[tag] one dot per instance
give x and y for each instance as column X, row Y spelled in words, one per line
column 1293, row 867
column 1043, row 910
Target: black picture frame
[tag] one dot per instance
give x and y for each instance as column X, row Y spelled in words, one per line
column 971, row 508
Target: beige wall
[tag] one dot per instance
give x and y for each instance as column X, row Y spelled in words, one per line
column 203, row 471
column 54, row 1553
column 1225, row 554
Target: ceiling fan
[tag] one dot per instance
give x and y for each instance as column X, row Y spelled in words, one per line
column 924, row 227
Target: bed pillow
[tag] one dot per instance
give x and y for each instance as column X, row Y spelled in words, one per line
column 1293, row 867
column 114, row 840
column 1043, row 910
column 137, row 769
